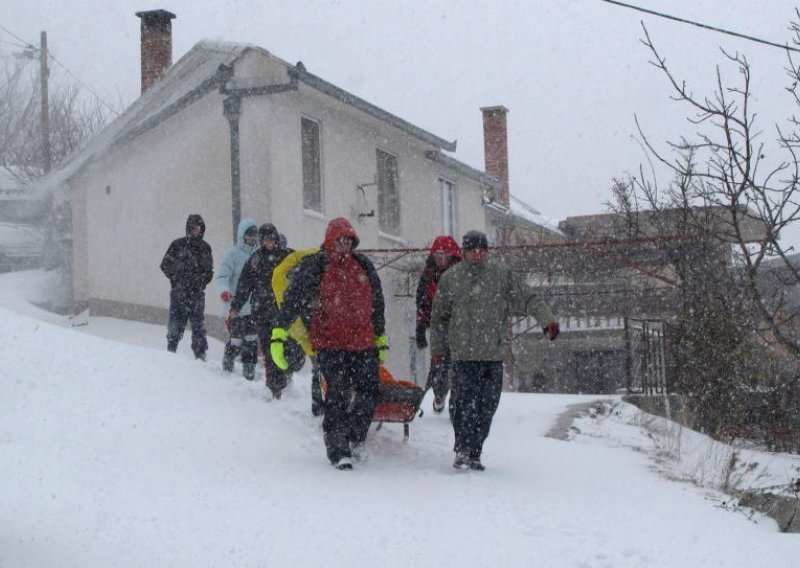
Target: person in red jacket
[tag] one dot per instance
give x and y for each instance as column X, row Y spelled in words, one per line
column 338, row 291
column 444, row 253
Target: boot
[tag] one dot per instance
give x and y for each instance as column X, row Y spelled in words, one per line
column 249, row 371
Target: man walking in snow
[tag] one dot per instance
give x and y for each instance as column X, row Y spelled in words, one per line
column 242, row 328
column 339, row 292
column 255, row 286
column 468, row 321
column 190, row 267
column 444, row 253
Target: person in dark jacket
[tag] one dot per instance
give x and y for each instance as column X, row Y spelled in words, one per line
column 189, row 265
column 444, row 253
column 468, row 322
column 255, row 286
column 339, row 292
column 243, row 333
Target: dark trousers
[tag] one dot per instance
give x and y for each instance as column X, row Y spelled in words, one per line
column 243, row 339
column 352, row 394
column 187, row 306
column 439, row 377
column 479, row 384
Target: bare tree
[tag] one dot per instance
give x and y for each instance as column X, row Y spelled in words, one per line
column 723, row 167
column 73, row 117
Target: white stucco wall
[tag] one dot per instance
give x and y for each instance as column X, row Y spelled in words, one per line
column 133, row 203
column 137, row 200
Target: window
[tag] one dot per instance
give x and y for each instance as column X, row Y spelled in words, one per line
column 312, row 178
column 388, row 194
column 448, row 207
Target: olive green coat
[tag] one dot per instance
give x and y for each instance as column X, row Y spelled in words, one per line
column 470, row 308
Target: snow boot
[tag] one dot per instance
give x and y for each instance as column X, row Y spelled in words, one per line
column 249, row 371
column 461, row 462
column 358, row 452
column 344, row 464
column 475, row 464
column 438, row 404
column 227, row 362
column 200, row 355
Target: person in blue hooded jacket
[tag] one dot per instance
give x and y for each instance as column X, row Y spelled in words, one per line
column 242, row 328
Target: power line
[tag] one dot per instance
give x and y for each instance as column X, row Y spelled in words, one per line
column 15, row 36
column 84, row 85
column 705, row 26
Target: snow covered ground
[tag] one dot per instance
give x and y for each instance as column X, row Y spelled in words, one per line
column 114, row 452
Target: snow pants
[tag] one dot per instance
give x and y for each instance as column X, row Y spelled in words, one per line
column 478, row 384
column 187, row 306
column 353, row 380
column 244, row 340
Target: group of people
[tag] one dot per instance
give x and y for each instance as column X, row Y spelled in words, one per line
column 463, row 300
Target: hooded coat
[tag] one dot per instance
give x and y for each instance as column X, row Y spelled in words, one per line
column 255, row 281
column 429, row 281
column 470, row 308
column 233, row 262
column 188, row 263
column 341, row 295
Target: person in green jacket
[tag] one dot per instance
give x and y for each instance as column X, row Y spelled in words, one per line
column 468, row 323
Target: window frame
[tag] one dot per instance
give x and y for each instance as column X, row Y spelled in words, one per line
column 449, row 215
column 312, row 189
column 389, row 221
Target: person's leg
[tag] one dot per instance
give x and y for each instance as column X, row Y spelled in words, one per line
column 234, row 345
column 366, row 380
column 335, row 425
column 465, row 413
column 491, row 387
column 197, row 318
column 178, row 316
column 249, row 346
column 438, row 382
column 317, row 404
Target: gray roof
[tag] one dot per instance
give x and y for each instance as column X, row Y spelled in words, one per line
column 198, row 72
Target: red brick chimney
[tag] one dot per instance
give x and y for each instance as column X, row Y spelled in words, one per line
column 495, row 147
column 156, row 45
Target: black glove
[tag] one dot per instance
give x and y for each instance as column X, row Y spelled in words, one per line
column 422, row 343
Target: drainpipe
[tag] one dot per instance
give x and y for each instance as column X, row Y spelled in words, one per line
column 232, row 109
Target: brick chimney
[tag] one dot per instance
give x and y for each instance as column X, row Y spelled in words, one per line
column 156, row 45
column 495, row 147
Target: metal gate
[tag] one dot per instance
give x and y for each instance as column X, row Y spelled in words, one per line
column 646, row 366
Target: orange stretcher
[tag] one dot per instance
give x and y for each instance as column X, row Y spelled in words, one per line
column 398, row 400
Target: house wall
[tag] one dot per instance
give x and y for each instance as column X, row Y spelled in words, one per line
column 272, row 191
column 134, row 202
column 131, row 204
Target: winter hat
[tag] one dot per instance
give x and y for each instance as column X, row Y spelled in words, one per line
column 337, row 228
column 195, row 220
column 268, row 231
column 474, row 240
column 447, row 245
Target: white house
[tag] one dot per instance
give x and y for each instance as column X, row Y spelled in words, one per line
column 231, row 130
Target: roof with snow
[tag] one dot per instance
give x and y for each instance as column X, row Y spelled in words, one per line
column 205, row 67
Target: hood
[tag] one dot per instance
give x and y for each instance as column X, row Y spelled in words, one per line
column 447, row 245
column 268, row 230
column 244, row 224
column 339, row 227
column 195, row 219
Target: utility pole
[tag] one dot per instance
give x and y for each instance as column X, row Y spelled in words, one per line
column 44, row 73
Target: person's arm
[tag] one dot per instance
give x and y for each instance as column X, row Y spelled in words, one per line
column 168, row 262
column 247, row 281
column 303, row 284
column 440, row 316
column 207, row 266
column 378, row 303
column 224, row 275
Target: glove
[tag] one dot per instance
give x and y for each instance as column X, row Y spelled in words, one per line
column 226, row 296
column 229, row 320
column 551, row 330
column 422, row 342
column 279, row 337
column 437, row 359
column 382, row 343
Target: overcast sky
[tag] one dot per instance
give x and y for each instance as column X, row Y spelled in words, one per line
column 573, row 73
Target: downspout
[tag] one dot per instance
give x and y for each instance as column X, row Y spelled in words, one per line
column 232, row 109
